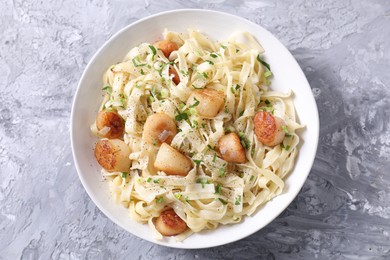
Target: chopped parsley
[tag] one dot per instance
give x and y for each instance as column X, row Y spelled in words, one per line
column 181, row 116
column 238, row 200
column 151, row 99
column 244, row 140
column 185, row 73
column 149, row 179
column 124, row 175
column 160, row 200
column 156, row 180
column 267, row 102
column 269, row 109
column 153, row 50
column 222, row 172
column 178, row 196
column 197, row 161
column 142, row 72
column 218, row 189
column 263, row 62
column 205, row 75
column 210, row 62
column 241, row 113
column 237, row 50
column 137, row 62
column 267, row 74
column 284, row 128
column 210, row 147
column 223, row 202
column 195, row 87
column 196, row 103
column 203, row 182
column 107, row 89
column 287, row 147
column 252, row 177
column 223, row 46
column 214, row 157
column 213, row 55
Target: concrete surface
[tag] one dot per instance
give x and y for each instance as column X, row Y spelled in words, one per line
column 343, row 210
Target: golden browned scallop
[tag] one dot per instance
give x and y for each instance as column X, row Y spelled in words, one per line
column 112, row 120
column 170, row 224
column 167, row 47
column 210, row 101
column 175, row 78
column 113, row 155
column 231, row 149
column 269, row 128
column 159, row 128
column 171, row 161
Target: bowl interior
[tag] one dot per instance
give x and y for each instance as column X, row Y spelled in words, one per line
column 287, row 76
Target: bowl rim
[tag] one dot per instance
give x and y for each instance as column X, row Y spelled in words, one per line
column 278, row 211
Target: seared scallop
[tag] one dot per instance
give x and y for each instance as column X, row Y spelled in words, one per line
column 171, row 161
column 113, row 155
column 167, row 47
column 111, row 120
column 269, row 128
column 210, row 101
column 175, row 78
column 159, row 128
column 231, row 148
column 170, row 224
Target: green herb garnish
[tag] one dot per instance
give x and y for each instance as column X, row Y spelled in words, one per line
column 223, row 202
column 222, row 172
column 238, row 200
column 263, row 62
column 195, row 87
column 160, row 200
column 267, row 74
column 137, row 62
column 149, row 179
column 124, row 175
column 153, row 50
column 197, row 161
column 252, row 177
column 244, row 140
column 218, row 189
column 196, row 103
column 210, row 62
column 107, row 89
column 203, row 182
column 156, row 180
column 181, row 116
column 213, row 55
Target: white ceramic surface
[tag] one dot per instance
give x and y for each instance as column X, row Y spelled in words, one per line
column 287, row 75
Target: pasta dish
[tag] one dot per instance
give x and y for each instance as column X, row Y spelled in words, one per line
column 191, row 136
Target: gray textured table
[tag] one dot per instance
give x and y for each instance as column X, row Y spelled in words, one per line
column 343, row 210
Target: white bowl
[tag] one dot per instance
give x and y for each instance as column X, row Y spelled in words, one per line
column 287, row 75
